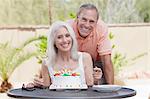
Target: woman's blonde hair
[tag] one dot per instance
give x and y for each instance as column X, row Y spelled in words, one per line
column 51, row 48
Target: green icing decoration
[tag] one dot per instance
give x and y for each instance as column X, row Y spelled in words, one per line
column 66, row 75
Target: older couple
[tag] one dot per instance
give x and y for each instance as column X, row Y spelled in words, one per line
column 90, row 34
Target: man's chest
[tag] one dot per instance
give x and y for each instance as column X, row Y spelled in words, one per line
column 87, row 44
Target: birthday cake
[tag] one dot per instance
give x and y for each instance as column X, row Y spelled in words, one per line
column 67, row 79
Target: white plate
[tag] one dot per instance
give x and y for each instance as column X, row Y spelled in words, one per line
column 106, row 88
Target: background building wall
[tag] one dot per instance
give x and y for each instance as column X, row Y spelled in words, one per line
column 131, row 40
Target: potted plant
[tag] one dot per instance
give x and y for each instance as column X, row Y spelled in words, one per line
column 10, row 58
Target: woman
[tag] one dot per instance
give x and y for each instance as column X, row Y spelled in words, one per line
column 63, row 58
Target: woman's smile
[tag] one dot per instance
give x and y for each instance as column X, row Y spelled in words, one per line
column 63, row 40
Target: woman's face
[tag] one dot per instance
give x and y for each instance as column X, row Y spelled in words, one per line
column 63, row 40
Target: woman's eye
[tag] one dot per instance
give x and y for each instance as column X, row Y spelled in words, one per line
column 59, row 37
column 67, row 35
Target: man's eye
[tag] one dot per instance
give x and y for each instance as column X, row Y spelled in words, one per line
column 83, row 19
column 92, row 21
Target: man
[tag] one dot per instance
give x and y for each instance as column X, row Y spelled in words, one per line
column 92, row 37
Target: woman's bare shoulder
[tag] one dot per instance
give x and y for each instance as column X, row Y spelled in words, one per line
column 45, row 62
column 86, row 55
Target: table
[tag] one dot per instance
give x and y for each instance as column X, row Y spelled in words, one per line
column 70, row 94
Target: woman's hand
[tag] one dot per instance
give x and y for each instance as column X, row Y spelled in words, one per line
column 29, row 85
column 38, row 81
column 97, row 74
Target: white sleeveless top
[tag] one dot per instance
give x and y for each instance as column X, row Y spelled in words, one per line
column 67, row 79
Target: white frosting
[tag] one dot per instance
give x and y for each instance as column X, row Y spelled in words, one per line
column 67, row 78
column 67, row 82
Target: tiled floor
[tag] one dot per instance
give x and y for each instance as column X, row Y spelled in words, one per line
column 142, row 87
column 143, row 91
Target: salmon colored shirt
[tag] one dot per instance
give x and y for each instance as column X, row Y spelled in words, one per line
column 97, row 43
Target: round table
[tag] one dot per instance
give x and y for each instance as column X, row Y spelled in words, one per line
column 70, row 94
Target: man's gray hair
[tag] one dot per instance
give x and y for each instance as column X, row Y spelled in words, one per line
column 88, row 7
column 51, row 48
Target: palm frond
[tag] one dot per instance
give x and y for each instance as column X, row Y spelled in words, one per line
column 31, row 40
column 19, row 60
column 21, row 47
column 11, row 57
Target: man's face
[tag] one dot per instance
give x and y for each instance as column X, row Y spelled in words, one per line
column 86, row 22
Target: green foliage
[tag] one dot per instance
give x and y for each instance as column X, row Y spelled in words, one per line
column 42, row 46
column 139, row 56
column 11, row 57
column 24, row 12
column 119, row 61
column 72, row 15
column 111, row 37
column 143, row 6
column 121, row 11
column 36, row 12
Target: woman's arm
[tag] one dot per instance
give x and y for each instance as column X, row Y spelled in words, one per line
column 45, row 75
column 42, row 79
column 88, row 68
